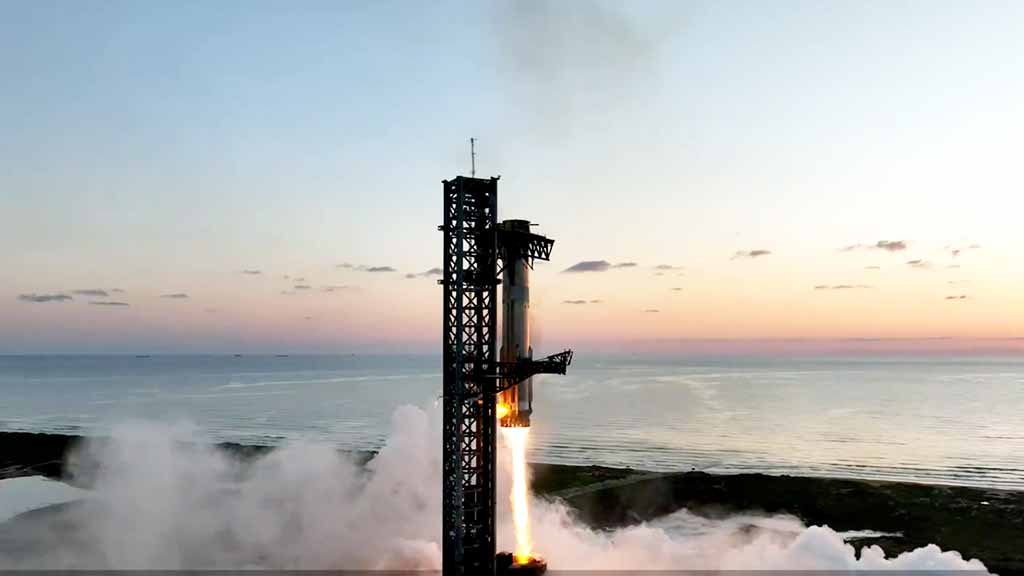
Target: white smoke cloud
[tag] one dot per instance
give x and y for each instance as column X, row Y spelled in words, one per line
column 165, row 499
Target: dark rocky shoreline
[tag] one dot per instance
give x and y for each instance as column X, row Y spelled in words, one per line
column 980, row 523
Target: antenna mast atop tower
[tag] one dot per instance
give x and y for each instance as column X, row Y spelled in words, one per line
column 472, row 157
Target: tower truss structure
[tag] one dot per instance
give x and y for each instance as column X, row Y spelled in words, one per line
column 474, row 248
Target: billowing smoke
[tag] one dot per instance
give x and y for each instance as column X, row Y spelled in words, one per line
column 164, row 499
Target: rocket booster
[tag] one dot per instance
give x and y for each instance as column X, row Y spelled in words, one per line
column 516, row 403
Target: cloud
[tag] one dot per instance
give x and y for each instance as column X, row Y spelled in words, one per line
column 91, row 292
column 589, row 266
column 300, row 279
column 677, row 289
column 109, row 303
column 953, row 266
column 426, row 273
column 596, row 301
column 887, row 245
column 302, row 287
column 665, row 267
column 175, row 296
column 364, row 268
column 843, row 287
column 955, row 251
column 751, row 253
column 307, row 317
column 252, row 272
column 960, row 297
column 43, row 297
column 574, row 301
column 651, row 311
column 891, row 245
column 116, row 290
column 336, row 288
column 872, row 267
column 919, row 264
column 625, row 265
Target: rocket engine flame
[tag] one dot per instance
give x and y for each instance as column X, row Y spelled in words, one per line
column 502, row 410
column 516, row 438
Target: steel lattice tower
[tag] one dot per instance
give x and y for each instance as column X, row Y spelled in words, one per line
column 474, row 245
column 470, row 269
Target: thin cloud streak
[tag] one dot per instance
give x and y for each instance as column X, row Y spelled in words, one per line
column 99, row 292
column 39, row 298
column 588, row 266
column 364, row 268
column 750, row 254
column 886, row 245
column 821, row 287
column 425, row 274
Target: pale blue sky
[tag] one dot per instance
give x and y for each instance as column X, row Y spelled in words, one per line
column 159, row 147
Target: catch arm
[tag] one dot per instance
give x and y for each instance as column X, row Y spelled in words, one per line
column 512, row 373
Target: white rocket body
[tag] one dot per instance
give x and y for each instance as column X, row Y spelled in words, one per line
column 516, row 403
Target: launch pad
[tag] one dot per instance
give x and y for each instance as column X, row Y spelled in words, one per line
column 505, row 565
column 476, row 250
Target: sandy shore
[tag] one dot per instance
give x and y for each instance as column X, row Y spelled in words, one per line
column 981, row 523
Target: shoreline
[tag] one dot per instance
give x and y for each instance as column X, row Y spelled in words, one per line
column 987, row 524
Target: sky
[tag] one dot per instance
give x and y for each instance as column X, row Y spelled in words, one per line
column 266, row 176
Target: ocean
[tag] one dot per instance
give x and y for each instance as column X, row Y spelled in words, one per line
column 935, row 420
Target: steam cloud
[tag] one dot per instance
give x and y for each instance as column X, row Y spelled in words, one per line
column 164, row 499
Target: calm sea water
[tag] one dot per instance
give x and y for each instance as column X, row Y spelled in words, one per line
column 945, row 420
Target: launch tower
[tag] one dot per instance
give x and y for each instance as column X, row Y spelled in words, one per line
column 476, row 251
